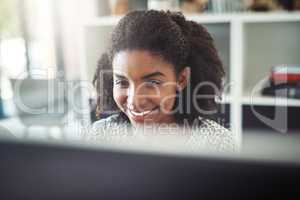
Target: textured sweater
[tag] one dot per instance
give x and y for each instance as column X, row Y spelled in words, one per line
column 207, row 135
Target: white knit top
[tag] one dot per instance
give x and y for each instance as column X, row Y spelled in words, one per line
column 209, row 135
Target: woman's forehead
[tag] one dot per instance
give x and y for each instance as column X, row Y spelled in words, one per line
column 138, row 63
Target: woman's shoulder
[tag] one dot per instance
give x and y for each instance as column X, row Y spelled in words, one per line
column 212, row 126
column 109, row 128
column 212, row 135
column 108, row 125
column 112, row 119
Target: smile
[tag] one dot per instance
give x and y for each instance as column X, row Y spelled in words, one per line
column 141, row 115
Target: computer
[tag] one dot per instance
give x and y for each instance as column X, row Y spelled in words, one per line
column 35, row 170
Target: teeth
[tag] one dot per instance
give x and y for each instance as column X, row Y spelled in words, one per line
column 140, row 113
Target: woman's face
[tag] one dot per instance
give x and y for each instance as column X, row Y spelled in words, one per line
column 144, row 86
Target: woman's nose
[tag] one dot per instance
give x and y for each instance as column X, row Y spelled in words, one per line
column 137, row 98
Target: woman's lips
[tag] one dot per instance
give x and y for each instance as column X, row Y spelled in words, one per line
column 140, row 116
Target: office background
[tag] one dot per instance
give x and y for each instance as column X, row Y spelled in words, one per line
column 46, row 39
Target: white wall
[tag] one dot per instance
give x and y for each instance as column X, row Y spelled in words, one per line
column 73, row 14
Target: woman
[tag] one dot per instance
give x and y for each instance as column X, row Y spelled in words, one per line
column 155, row 71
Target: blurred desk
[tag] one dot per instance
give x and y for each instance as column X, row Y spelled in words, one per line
column 13, row 127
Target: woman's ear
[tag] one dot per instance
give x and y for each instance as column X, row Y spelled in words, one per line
column 183, row 78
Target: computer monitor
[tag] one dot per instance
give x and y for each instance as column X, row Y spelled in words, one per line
column 51, row 171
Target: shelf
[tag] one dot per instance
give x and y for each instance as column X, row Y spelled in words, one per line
column 249, row 17
column 268, row 132
column 267, row 45
column 98, row 32
column 249, row 44
column 261, row 101
column 246, row 17
column 225, row 99
column 270, row 101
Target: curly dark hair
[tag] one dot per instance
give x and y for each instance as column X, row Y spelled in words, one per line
column 179, row 41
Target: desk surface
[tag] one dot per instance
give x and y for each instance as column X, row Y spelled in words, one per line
column 13, row 127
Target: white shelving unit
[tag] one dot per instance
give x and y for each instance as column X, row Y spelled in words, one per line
column 249, row 45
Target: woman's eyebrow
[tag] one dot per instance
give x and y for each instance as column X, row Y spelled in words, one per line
column 152, row 74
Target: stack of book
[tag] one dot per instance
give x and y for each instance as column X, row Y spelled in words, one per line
column 226, row 6
column 212, row 6
column 284, row 81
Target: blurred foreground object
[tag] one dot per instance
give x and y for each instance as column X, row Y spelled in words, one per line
column 268, row 168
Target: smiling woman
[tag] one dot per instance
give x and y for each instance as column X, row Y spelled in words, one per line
column 145, row 91
column 159, row 69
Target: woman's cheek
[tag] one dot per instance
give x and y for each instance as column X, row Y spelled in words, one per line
column 120, row 97
column 167, row 100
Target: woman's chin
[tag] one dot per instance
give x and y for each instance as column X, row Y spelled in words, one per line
column 145, row 121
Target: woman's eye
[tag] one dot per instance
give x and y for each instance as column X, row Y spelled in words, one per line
column 122, row 83
column 153, row 83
